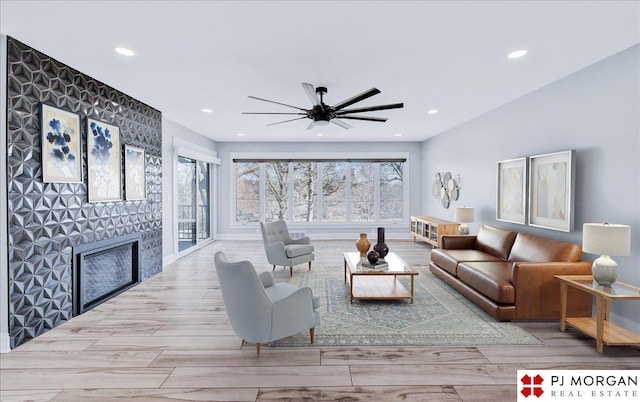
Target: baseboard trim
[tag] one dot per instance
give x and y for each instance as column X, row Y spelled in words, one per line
column 624, row 322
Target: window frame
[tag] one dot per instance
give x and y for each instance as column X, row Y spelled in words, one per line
column 321, row 157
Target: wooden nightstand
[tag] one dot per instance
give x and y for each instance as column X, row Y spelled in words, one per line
column 598, row 327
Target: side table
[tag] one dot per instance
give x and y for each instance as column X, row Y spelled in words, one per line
column 598, row 327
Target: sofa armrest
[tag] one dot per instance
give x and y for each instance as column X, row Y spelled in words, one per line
column 538, row 291
column 458, row 242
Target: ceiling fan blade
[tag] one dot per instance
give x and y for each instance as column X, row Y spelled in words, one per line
column 286, row 121
column 311, row 93
column 274, row 113
column 362, row 96
column 310, row 126
column 368, row 118
column 277, row 103
column 370, row 108
column 340, row 123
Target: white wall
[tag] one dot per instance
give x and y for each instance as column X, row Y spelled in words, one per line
column 173, row 133
column 227, row 230
column 595, row 111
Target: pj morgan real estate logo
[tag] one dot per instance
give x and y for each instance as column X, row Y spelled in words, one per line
column 578, row 385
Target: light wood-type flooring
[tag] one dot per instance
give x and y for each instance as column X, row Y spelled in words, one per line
column 168, row 339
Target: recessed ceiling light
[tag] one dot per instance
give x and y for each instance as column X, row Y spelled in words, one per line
column 320, row 135
column 433, row 111
column 517, row 53
column 240, row 134
column 398, row 135
column 124, row 51
column 207, row 110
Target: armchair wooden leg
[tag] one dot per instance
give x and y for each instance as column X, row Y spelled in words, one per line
column 258, row 349
column 309, row 265
column 312, row 333
column 242, row 344
column 291, row 271
column 274, row 268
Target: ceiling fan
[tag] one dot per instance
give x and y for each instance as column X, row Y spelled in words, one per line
column 323, row 114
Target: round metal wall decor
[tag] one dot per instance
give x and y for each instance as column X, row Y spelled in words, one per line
column 446, row 188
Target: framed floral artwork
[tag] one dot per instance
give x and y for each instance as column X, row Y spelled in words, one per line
column 103, row 162
column 551, row 188
column 61, row 145
column 512, row 187
column 135, row 184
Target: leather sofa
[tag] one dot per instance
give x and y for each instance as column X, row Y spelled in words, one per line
column 510, row 275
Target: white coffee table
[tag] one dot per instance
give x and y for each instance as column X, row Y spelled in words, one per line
column 375, row 284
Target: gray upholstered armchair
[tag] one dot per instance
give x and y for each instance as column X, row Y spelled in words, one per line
column 260, row 311
column 281, row 249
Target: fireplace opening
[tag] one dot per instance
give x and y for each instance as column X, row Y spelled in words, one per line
column 104, row 269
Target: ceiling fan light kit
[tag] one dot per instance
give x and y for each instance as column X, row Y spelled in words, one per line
column 322, row 114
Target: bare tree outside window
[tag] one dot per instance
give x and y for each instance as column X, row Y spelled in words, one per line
column 334, row 192
column 391, row 192
column 305, row 196
column 247, row 192
column 310, row 176
column 362, row 192
column 277, row 186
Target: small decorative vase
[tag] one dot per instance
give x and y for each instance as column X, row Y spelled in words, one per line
column 363, row 244
column 372, row 256
column 380, row 247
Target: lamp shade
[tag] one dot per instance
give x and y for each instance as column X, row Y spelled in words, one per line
column 463, row 214
column 606, row 239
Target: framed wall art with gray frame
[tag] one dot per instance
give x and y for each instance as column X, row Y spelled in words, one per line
column 551, row 190
column 103, row 162
column 512, row 191
column 135, row 183
column 61, row 145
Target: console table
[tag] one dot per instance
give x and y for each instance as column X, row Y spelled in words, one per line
column 430, row 229
column 598, row 327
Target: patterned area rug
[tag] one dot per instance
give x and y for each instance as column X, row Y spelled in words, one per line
column 440, row 316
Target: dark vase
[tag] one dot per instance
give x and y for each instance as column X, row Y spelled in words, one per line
column 380, row 247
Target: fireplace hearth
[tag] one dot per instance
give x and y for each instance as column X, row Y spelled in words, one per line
column 104, row 269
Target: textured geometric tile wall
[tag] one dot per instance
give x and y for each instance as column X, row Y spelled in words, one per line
column 47, row 219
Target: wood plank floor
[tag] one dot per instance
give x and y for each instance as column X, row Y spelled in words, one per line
column 168, row 339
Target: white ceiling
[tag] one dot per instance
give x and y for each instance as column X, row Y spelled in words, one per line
column 443, row 55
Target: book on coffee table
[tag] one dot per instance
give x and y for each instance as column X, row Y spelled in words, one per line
column 377, row 265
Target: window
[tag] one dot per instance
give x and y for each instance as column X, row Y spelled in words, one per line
column 391, row 191
column 334, row 191
column 362, row 192
column 315, row 191
column 247, row 192
column 305, row 194
column 277, row 189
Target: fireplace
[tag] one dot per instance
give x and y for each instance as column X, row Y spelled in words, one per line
column 104, row 269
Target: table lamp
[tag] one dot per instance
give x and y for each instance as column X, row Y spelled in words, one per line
column 606, row 239
column 463, row 215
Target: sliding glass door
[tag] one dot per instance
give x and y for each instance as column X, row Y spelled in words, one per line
column 194, row 206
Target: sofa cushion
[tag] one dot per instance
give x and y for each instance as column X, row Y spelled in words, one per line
column 532, row 248
column 492, row 279
column 448, row 259
column 497, row 242
column 296, row 250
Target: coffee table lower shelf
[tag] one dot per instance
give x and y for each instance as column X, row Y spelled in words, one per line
column 613, row 334
column 365, row 287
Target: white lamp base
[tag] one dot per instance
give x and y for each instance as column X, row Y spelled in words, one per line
column 604, row 270
column 463, row 229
